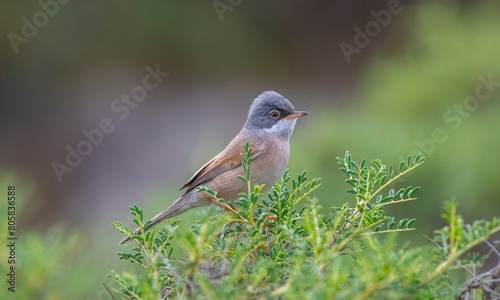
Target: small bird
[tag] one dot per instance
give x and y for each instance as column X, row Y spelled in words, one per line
column 270, row 123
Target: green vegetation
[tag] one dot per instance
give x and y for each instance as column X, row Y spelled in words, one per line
column 283, row 246
column 407, row 91
column 429, row 59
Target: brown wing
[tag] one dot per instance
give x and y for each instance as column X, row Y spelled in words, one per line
column 228, row 159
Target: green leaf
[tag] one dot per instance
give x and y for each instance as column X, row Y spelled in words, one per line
column 242, row 178
column 387, row 199
column 401, row 166
column 361, row 196
column 402, row 223
column 417, row 158
column 406, row 192
column 362, row 165
column 413, row 191
column 390, row 223
column 382, row 180
column 352, row 182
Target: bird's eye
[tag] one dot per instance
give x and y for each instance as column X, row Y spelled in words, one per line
column 275, row 114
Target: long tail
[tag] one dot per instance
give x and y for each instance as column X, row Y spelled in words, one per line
column 178, row 207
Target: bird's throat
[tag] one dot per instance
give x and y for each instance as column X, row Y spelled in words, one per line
column 283, row 128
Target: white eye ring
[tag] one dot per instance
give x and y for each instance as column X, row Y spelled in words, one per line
column 274, row 114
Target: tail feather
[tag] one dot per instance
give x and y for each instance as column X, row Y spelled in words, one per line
column 178, row 207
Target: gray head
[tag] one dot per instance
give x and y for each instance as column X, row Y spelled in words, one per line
column 274, row 114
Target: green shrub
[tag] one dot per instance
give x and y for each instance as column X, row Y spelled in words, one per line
column 283, row 246
column 43, row 263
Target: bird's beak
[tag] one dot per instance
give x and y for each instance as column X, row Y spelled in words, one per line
column 296, row 114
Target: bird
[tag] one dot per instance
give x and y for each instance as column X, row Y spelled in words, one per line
column 269, row 125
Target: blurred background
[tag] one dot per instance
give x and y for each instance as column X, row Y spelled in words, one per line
column 382, row 79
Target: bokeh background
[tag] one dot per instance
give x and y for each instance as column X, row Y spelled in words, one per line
column 406, row 88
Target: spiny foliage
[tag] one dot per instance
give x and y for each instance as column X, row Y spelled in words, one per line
column 285, row 246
